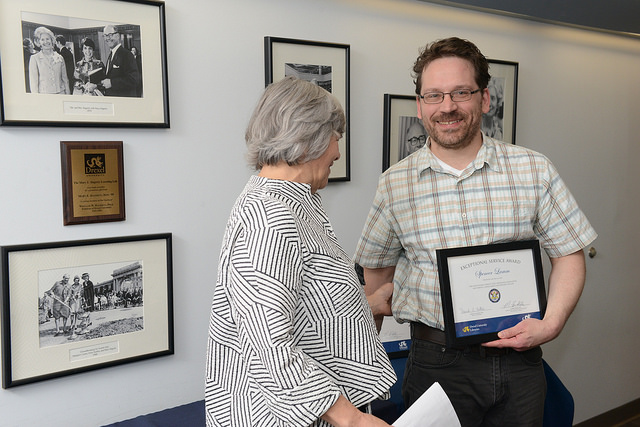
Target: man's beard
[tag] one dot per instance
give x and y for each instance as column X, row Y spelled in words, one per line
column 454, row 139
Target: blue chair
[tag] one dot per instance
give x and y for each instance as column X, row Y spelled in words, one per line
column 559, row 405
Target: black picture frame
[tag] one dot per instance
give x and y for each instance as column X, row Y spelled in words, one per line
column 500, row 121
column 326, row 64
column 399, row 117
column 131, row 317
column 482, row 276
column 139, row 24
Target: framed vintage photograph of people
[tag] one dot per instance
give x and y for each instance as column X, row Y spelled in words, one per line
column 324, row 64
column 500, row 121
column 70, row 307
column 99, row 63
column 488, row 288
column 403, row 131
column 92, row 181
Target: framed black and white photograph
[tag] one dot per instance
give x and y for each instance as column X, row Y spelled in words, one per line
column 403, row 132
column 71, row 307
column 500, row 121
column 100, row 63
column 324, row 64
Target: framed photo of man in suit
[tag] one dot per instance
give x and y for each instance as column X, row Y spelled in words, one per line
column 83, row 64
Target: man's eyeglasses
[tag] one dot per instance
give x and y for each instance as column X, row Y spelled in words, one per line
column 456, row 96
column 417, row 141
column 110, row 34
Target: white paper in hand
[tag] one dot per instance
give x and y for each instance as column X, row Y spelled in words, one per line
column 432, row 409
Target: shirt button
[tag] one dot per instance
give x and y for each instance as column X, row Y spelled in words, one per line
column 464, row 215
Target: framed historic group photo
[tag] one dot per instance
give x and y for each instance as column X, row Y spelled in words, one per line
column 488, row 288
column 98, row 63
column 500, row 121
column 403, row 132
column 92, row 181
column 70, row 307
column 324, row 64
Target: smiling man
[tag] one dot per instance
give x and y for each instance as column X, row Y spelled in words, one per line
column 122, row 73
column 466, row 189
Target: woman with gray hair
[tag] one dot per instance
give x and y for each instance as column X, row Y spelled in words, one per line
column 47, row 71
column 292, row 341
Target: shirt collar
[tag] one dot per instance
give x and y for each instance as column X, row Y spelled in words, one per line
column 486, row 155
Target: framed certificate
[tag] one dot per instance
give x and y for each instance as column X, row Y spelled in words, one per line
column 488, row 288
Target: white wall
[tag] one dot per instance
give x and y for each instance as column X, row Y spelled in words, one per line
column 577, row 103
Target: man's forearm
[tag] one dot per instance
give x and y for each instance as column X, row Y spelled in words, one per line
column 376, row 278
column 566, row 282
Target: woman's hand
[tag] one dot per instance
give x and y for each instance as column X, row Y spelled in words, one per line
column 344, row 414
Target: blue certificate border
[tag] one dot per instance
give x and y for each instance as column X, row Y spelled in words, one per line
column 461, row 334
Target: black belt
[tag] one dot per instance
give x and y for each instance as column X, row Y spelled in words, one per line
column 423, row 332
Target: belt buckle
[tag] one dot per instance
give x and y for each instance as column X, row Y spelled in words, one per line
column 492, row 351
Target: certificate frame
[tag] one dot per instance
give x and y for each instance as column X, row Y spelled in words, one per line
column 134, row 326
column 328, row 65
column 140, row 24
column 92, row 181
column 488, row 288
column 500, row 121
column 400, row 114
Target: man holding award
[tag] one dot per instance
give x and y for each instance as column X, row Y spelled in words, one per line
column 464, row 191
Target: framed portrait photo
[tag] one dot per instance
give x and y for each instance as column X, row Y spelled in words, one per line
column 92, row 63
column 500, row 121
column 324, row 64
column 76, row 306
column 403, row 132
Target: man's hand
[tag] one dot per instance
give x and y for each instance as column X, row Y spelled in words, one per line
column 525, row 335
column 106, row 83
column 566, row 282
column 374, row 279
column 380, row 300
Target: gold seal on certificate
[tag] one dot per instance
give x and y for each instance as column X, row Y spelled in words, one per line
column 488, row 288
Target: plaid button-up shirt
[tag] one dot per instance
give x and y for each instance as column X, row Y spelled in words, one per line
column 507, row 193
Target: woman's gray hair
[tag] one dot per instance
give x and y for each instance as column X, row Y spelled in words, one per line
column 44, row 30
column 293, row 122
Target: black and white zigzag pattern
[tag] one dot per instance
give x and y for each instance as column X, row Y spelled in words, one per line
column 290, row 327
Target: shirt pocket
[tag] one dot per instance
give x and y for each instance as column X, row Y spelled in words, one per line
column 504, row 221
